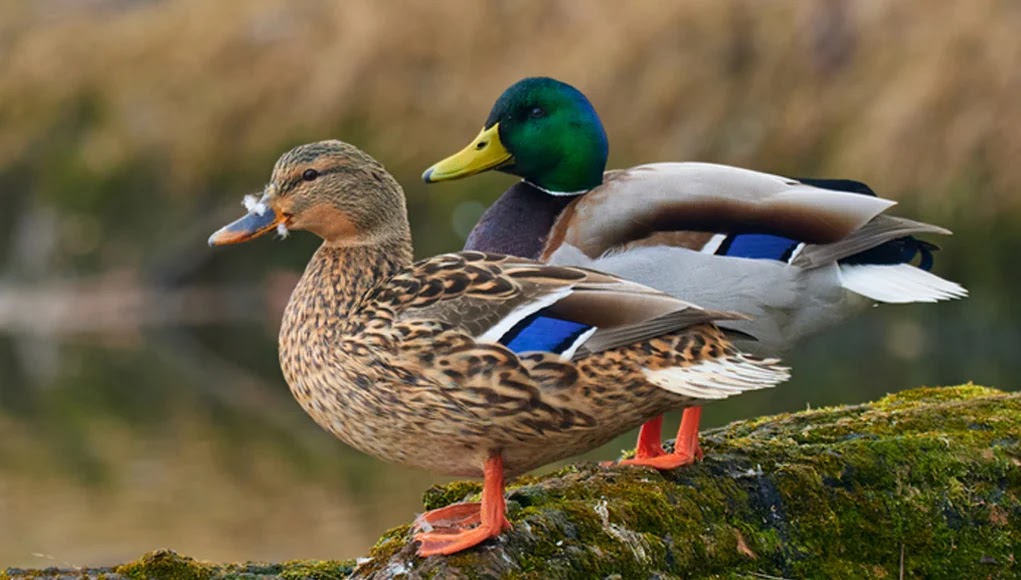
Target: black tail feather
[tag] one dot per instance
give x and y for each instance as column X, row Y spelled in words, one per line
column 900, row 251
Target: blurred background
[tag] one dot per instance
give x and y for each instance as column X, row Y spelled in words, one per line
column 141, row 403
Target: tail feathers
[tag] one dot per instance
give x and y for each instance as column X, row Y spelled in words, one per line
column 895, row 251
column 898, row 283
column 899, row 251
column 925, row 250
column 848, row 185
column 884, row 240
column 720, row 378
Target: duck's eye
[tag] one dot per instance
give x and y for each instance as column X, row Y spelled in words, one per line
column 537, row 112
column 310, row 175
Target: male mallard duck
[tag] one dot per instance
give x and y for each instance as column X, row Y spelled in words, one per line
column 470, row 364
column 794, row 254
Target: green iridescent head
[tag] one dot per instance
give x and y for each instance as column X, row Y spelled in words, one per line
column 540, row 129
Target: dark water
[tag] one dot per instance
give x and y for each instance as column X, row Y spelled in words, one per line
column 185, row 437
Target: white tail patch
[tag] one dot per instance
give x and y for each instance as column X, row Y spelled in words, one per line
column 898, row 283
column 719, row 378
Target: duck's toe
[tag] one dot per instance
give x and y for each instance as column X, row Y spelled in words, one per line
column 442, row 543
column 664, row 462
column 457, row 516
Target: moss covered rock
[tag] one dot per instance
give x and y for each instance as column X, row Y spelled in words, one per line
column 166, row 565
column 925, row 483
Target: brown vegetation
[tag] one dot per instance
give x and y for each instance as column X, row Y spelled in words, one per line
column 920, row 98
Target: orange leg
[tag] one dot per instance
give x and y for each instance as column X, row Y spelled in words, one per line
column 688, row 434
column 649, row 444
column 650, row 439
column 686, row 448
column 492, row 520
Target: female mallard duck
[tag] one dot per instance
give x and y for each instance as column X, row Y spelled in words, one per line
column 470, row 364
column 793, row 254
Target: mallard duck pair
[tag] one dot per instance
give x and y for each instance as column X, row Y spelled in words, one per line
column 484, row 364
column 470, row 364
column 796, row 255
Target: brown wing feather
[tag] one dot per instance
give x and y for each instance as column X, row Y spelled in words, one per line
column 476, row 291
column 636, row 203
column 614, row 337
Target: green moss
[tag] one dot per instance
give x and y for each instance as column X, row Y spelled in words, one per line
column 833, row 492
column 439, row 496
column 933, row 474
column 167, row 565
column 317, row 570
column 929, row 395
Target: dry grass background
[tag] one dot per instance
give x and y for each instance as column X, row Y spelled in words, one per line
column 131, row 119
column 918, row 97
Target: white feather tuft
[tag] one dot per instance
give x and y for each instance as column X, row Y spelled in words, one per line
column 898, row 283
column 282, row 230
column 719, row 378
column 254, row 204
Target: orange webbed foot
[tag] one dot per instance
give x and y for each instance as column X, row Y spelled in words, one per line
column 448, row 530
column 442, row 543
column 457, row 516
column 649, row 437
column 649, row 452
column 665, row 461
column 697, row 452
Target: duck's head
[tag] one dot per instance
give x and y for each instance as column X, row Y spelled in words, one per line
column 329, row 188
column 540, row 129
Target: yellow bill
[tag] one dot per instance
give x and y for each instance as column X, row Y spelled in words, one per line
column 484, row 153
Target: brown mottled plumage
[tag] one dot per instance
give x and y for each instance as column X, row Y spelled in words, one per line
column 404, row 361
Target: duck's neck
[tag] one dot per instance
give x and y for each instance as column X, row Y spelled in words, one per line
column 570, row 177
column 335, row 282
column 518, row 223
